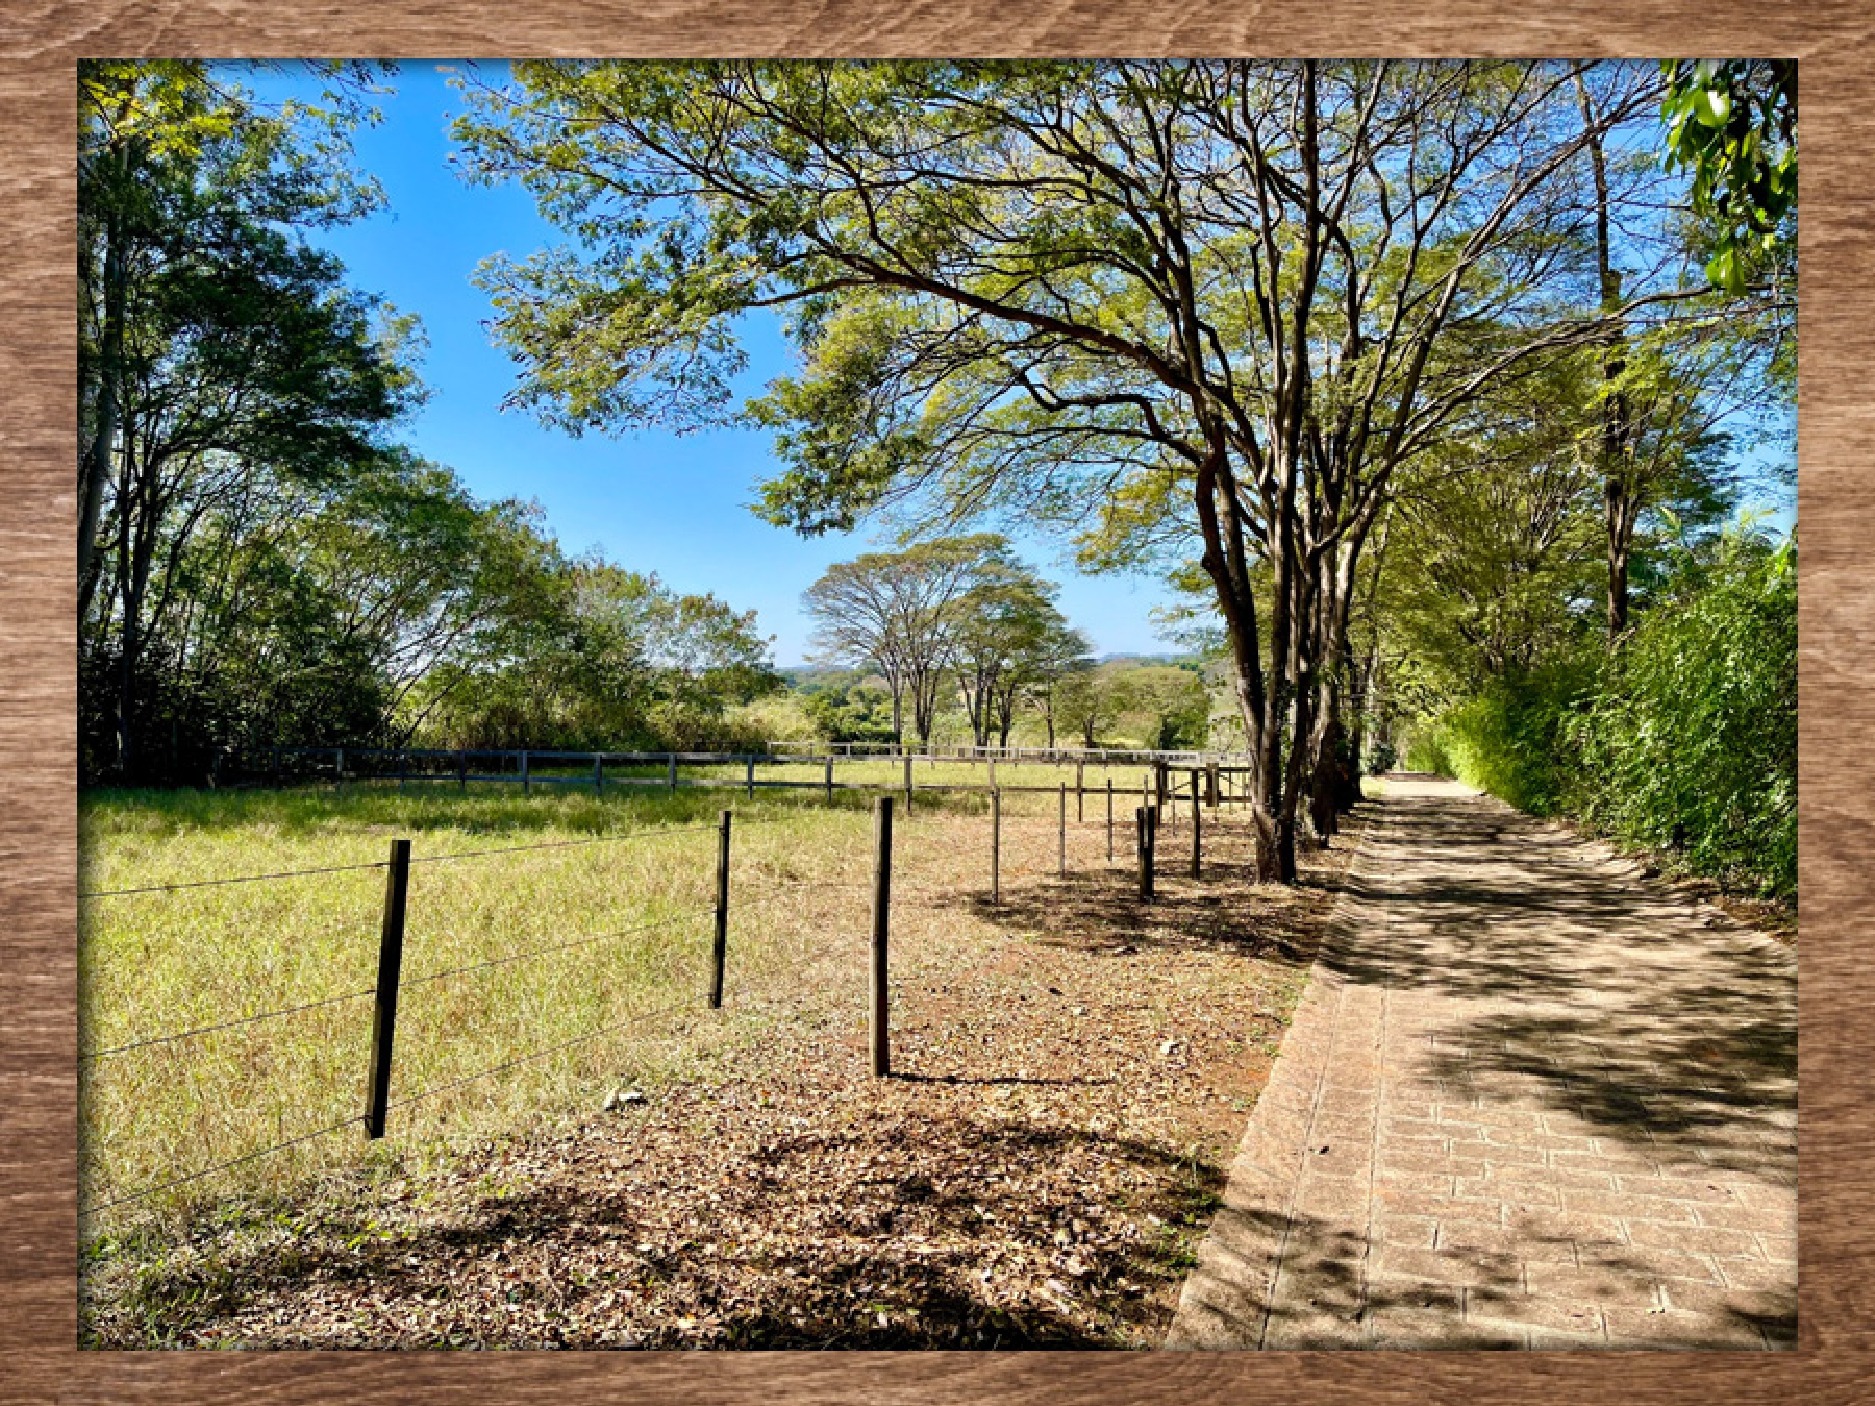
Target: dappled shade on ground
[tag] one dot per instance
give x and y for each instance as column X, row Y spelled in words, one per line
column 1530, row 1101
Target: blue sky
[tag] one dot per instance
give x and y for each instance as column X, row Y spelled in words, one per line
column 651, row 501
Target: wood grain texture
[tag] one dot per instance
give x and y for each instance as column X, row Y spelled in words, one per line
column 39, row 43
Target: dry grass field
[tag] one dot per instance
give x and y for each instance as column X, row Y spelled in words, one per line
column 584, row 928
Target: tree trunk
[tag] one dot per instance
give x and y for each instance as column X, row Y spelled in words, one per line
column 1619, row 515
column 96, row 465
column 1617, row 423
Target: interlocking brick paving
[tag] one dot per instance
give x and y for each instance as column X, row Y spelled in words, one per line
column 1527, row 1102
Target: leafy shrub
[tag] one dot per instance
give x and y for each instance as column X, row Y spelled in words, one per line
column 1426, row 751
column 1684, row 741
column 1511, row 738
column 1691, row 745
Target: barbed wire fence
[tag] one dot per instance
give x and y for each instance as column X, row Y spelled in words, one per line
column 1160, row 795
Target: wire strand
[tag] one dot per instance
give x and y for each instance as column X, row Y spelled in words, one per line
column 220, row 1167
column 226, row 1025
column 436, row 1089
column 242, row 879
column 562, row 844
column 557, row 947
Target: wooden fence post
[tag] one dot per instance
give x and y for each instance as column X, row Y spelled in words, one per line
column 719, row 950
column 1210, row 785
column 996, row 846
column 1152, row 852
column 1061, row 835
column 750, row 762
column 527, row 775
column 828, row 778
column 907, row 756
column 881, row 920
column 1142, row 849
column 671, row 778
column 598, row 773
column 1197, row 828
column 338, row 766
column 1109, row 820
column 1080, row 792
column 390, row 964
column 462, row 768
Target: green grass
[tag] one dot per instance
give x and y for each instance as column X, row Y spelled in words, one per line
column 157, row 963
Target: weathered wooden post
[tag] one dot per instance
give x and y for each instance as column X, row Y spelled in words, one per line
column 719, row 949
column 750, row 762
column 992, row 765
column 462, row 768
column 907, row 757
column 527, row 776
column 996, row 846
column 338, row 766
column 598, row 773
column 829, row 780
column 1061, row 835
column 1080, row 792
column 390, row 965
column 1109, row 820
column 1210, row 785
column 1197, row 829
column 1152, row 851
column 1142, row 848
column 881, row 918
column 671, row 775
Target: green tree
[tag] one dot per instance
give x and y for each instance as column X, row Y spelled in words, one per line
column 1218, row 301
column 895, row 613
column 1008, row 640
column 223, row 364
column 599, row 656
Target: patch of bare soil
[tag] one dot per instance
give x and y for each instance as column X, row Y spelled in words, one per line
column 1072, row 1070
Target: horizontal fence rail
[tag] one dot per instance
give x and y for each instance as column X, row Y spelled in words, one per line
column 1167, row 771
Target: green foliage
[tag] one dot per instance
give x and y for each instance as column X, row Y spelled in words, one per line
column 1690, row 746
column 1509, row 738
column 1733, row 123
column 587, row 654
column 1683, row 742
column 856, row 712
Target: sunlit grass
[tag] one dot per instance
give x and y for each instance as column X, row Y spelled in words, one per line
column 158, row 963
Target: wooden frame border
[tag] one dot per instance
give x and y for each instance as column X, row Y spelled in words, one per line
column 39, row 43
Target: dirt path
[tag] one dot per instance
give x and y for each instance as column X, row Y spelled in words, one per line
column 1527, row 1102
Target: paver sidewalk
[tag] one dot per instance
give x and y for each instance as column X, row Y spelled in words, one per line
column 1526, row 1102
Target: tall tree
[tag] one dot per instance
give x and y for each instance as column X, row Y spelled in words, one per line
column 1008, row 638
column 217, row 350
column 1235, row 295
column 895, row 612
